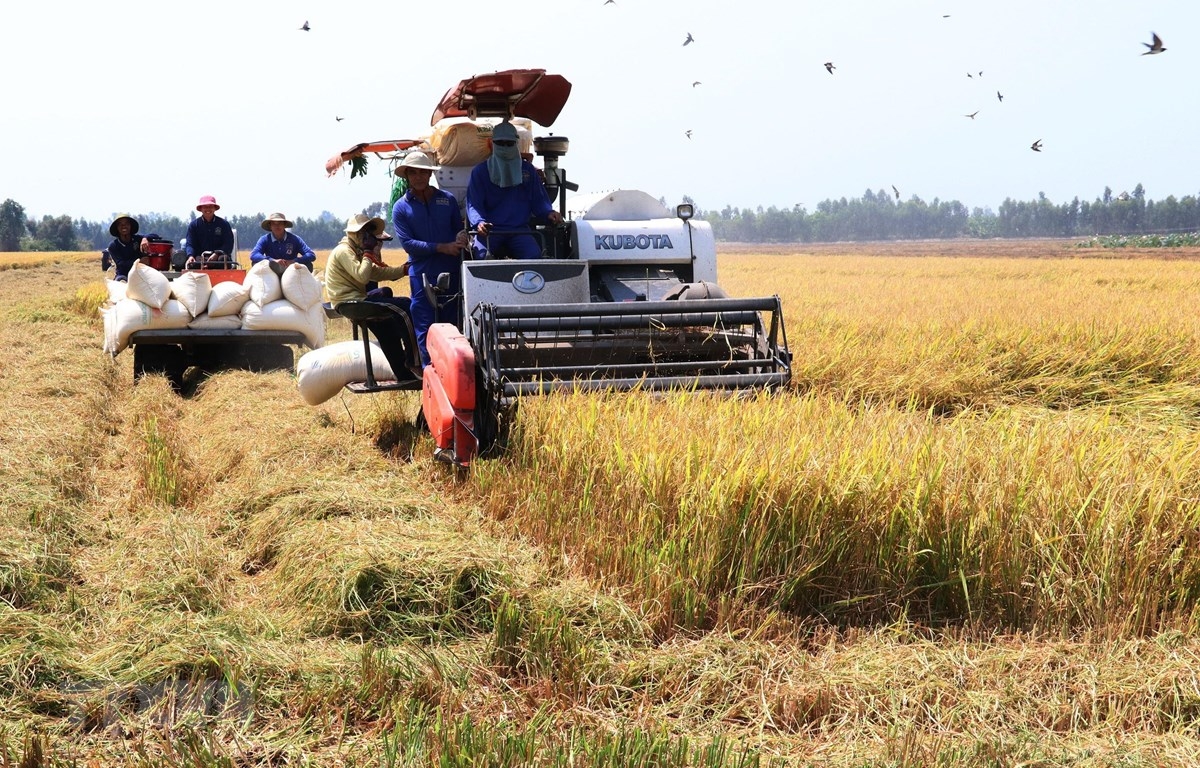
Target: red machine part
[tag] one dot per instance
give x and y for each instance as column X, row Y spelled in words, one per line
column 159, row 256
column 448, row 392
column 512, row 93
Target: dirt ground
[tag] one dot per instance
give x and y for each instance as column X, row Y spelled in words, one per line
column 1031, row 249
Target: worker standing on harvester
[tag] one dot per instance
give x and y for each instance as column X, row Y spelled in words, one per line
column 504, row 193
column 429, row 227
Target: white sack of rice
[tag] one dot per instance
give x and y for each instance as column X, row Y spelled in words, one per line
column 129, row 315
column 282, row 315
column 300, row 286
column 227, row 298
column 321, row 373
column 148, row 285
column 263, row 284
column 192, row 290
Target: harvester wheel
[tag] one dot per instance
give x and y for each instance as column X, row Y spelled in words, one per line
column 493, row 416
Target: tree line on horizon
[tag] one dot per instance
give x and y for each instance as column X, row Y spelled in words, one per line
column 874, row 216
column 879, row 216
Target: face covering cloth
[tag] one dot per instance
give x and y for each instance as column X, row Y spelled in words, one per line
column 504, row 166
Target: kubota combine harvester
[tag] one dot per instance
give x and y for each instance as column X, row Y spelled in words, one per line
column 625, row 298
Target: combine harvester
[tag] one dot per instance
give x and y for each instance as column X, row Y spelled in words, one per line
column 625, row 299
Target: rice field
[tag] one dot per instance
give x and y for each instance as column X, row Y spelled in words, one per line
column 966, row 535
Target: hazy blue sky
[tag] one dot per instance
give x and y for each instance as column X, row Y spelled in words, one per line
column 146, row 106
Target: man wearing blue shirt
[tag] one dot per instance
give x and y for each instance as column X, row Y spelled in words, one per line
column 281, row 246
column 208, row 234
column 429, row 227
column 125, row 249
column 504, row 193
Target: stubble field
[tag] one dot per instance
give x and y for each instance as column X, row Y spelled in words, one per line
column 967, row 535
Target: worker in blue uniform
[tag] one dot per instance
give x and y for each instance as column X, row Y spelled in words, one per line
column 125, row 249
column 209, row 234
column 503, row 194
column 280, row 246
column 429, row 226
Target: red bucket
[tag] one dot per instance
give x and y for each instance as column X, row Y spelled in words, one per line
column 160, row 255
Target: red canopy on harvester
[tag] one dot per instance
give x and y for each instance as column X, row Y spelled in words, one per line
column 512, row 93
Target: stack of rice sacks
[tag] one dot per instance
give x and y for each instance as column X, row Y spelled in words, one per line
column 262, row 301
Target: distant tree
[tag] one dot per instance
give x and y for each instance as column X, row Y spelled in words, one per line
column 13, row 225
column 982, row 223
column 57, row 233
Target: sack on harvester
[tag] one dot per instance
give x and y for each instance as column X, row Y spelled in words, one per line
column 458, row 141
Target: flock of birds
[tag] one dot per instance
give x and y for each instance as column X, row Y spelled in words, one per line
column 1153, row 47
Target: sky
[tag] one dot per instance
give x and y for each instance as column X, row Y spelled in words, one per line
column 144, row 107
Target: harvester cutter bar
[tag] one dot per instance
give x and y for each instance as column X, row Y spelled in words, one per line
column 661, row 345
column 649, row 384
column 638, row 308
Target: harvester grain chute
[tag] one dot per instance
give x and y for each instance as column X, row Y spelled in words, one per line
column 627, row 298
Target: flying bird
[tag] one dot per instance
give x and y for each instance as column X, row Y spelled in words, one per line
column 999, row 96
column 972, row 115
column 1155, row 47
column 688, row 134
column 689, row 39
column 830, row 67
column 606, row 2
column 305, row 26
column 694, row 84
column 339, row 119
column 1036, row 146
column 945, row 15
column 896, row 191
column 969, row 74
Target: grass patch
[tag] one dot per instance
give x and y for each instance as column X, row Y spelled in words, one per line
column 88, row 300
column 396, row 579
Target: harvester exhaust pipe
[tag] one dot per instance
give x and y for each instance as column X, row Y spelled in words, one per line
column 550, row 148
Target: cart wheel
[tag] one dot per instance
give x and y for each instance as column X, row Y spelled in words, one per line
column 210, row 358
column 166, row 359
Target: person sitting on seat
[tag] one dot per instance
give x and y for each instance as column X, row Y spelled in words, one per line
column 504, row 193
column 430, row 229
column 373, row 250
column 209, row 237
column 351, row 266
column 281, row 247
column 125, row 249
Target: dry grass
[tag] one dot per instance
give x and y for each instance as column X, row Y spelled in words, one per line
column 966, row 536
